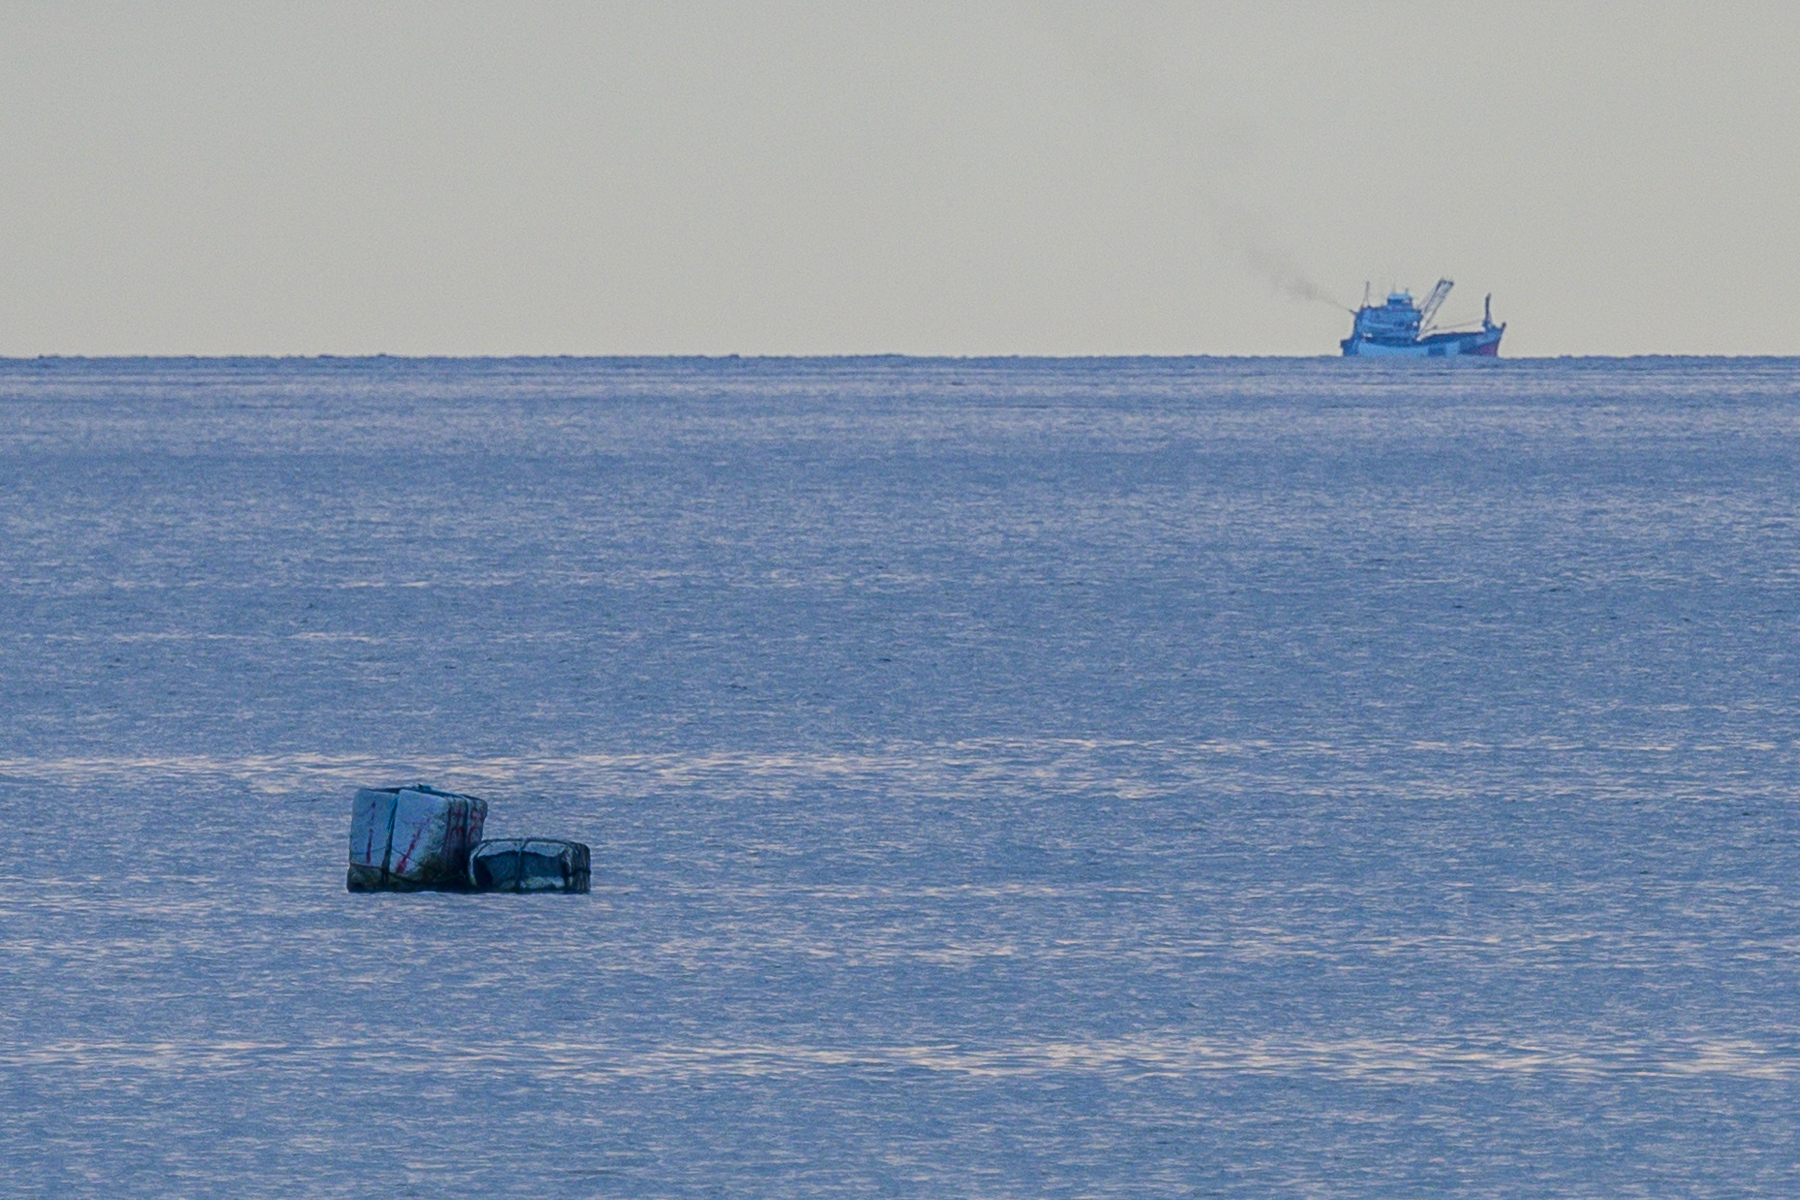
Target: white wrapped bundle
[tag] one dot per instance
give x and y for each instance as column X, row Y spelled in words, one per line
column 414, row 838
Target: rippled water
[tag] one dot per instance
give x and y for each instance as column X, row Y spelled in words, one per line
column 1139, row 778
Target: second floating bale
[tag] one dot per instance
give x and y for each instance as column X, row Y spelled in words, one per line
column 528, row 865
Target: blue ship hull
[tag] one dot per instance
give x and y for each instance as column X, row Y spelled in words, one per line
column 1482, row 342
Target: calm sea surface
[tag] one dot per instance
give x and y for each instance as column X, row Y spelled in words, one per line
column 1005, row 778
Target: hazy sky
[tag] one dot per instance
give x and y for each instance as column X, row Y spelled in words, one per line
column 932, row 179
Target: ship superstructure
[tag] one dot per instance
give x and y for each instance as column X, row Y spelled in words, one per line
column 1403, row 328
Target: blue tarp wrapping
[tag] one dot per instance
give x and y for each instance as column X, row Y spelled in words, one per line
column 529, row 865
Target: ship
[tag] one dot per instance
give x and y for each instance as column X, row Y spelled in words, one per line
column 1403, row 328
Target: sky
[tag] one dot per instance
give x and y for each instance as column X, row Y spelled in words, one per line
column 832, row 178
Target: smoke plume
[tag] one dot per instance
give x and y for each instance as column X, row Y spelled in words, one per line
column 1285, row 274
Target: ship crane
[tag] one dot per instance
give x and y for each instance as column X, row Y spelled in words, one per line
column 1433, row 302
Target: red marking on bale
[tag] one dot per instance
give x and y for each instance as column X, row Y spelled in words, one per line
column 400, row 863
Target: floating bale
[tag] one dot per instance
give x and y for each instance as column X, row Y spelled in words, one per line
column 528, row 865
column 410, row 839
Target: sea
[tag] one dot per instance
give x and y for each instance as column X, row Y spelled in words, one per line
column 1005, row 778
